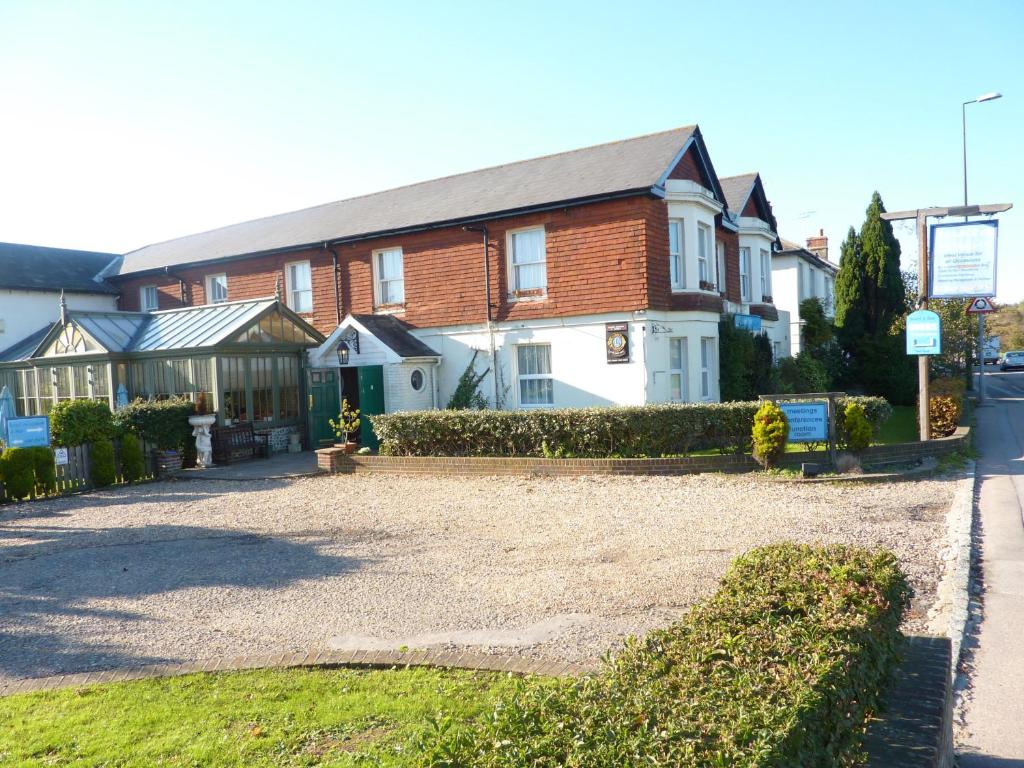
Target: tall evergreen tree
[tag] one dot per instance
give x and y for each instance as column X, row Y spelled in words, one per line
column 849, row 319
column 884, row 291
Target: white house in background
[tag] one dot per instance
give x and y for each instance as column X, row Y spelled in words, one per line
column 800, row 273
column 32, row 278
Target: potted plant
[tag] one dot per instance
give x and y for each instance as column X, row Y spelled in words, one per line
column 347, row 423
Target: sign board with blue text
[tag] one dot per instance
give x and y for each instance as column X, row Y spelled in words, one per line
column 924, row 333
column 962, row 260
column 750, row 323
column 28, row 431
column 808, row 421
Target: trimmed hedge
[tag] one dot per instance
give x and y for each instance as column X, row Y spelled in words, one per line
column 781, row 667
column 17, row 472
column 161, row 422
column 626, row 432
column 76, row 422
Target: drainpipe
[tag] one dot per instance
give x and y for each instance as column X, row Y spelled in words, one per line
column 181, row 285
column 487, row 294
column 337, row 290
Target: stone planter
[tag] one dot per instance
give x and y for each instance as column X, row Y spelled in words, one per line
column 167, row 462
column 349, row 447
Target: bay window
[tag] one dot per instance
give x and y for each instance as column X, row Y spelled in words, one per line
column 676, row 257
column 703, row 253
column 677, row 351
column 745, row 274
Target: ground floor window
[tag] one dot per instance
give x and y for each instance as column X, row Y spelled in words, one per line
column 536, row 385
column 707, row 357
column 260, row 389
column 677, row 351
column 37, row 389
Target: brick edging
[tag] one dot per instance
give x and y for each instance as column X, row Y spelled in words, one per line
column 337, row 461
column 358, row 659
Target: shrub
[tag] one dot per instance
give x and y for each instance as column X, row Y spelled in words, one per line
column 769, row 433
column 467, row 392
column 133, row 464
column 44, row 469
column 856, row 434
column 77, row 422
column 17, row 471
column 101, row 460
column 802, row 374
column 627, row 432
column 161, row 422
column 945, row 405
column 781, row 667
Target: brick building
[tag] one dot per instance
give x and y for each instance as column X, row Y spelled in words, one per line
column 591, row 277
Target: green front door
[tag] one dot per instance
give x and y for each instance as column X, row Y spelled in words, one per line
column 371, row 402
column 323, row 405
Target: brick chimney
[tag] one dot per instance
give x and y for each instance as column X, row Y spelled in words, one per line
column 818, row 245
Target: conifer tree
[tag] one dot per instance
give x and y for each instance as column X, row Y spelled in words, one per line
column 883, row 283
column 849, row 299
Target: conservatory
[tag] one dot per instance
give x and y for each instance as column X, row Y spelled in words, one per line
column 242, row 360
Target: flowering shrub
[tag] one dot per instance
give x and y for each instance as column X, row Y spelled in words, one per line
column 769, row 433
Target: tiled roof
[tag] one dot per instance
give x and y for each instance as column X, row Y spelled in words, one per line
column 23, row 349
column 621, row 167
column 38, row 268
column 394, row 334
column 737, row 190
column 789, row 248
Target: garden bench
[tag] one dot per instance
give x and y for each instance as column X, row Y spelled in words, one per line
column 237, row 442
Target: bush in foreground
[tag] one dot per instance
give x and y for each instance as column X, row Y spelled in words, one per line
column 626, row 432
column 771, row 429
column 132, row 461
column 781, row 667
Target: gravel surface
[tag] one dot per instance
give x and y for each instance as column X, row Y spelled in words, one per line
column 556, row 567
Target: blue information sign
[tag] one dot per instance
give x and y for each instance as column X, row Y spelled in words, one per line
column 28, row 431
column 750, row 323
column 924, row 333
column 808, row 422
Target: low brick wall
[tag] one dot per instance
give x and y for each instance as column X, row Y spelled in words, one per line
column 336, row 460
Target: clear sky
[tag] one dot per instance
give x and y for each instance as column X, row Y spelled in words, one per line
column 123, row 124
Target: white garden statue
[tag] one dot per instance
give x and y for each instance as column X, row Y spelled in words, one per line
column 204, row 443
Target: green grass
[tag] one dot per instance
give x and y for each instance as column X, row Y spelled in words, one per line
column 261, row 718
column 901, row 427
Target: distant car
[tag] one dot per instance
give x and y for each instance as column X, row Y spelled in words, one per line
column 1012, row 360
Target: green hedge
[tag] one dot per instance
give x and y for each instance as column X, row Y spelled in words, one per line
column 161, row 422
column 650, row 430
column 781, row 667
column 77, row 422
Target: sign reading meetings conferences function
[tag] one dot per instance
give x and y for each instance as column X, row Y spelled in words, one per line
column 963, row 260
column 808, row 422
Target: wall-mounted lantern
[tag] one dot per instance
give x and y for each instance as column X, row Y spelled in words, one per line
column 349, row 342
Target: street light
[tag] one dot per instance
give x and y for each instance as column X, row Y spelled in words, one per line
column 992, row 96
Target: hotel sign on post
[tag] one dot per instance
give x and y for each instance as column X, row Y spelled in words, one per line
column 616, row 336
column 924, row 333
column 962, row 260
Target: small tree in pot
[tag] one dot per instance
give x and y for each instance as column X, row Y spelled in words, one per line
column 348, row 423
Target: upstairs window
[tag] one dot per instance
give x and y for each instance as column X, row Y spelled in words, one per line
column 745, row 274
column 720, row 266
column 148, row 299
column 676, row 259
column 766, row 273
column 528, row 273
column 300, row 286
column 704, row 253
column 677, row 352
column 216, row 289
column 536, row 385
column 389, row 277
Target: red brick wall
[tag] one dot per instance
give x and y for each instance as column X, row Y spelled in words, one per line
column 732, row 262
column 595, row 263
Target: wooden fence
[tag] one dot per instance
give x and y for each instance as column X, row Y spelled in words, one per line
column 75, row 476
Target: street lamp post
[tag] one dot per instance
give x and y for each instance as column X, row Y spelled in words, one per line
column 981, row 317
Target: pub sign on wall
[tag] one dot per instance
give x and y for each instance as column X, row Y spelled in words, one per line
column 616, row 342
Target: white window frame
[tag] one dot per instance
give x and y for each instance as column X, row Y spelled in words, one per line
column 720, row 265
column 520, row 377
column 677, row 261
column 143, row 304
column 766, row 272
column 707, row 365
column 684, row 385
column 776, row 351
column 744, row 273
column 515, row 293
column 378, row 280
column 210, row 283
column 704, row 240
column 291, row 290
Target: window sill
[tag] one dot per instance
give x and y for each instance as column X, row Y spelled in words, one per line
column 535, row 295
column 389, row 309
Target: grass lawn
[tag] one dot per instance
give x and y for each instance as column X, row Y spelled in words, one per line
column 336, row 717
column 901, row 427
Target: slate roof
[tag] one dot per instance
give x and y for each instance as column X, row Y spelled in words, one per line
column 789, row 248
column 622, row 167
column 22, row 350
column 394, row 333
column 38, row 268
column 737, row 190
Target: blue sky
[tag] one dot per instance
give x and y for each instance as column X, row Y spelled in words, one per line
column 129, row 123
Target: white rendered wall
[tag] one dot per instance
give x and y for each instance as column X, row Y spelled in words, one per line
column 22, row 313
column 398, row 392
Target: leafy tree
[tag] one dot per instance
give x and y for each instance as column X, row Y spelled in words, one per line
column 959, row 332
column 745, row 364
column 762, row 370
column 850, row 289
column 817, row 330
column 1008, row 324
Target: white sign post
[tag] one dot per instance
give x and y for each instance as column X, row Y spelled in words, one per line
column 963, row 260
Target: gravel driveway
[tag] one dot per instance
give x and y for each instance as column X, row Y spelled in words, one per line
column 561, row 568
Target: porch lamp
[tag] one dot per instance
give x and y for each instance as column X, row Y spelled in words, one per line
column 342, row 351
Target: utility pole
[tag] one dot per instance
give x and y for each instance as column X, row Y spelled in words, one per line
column 921, row 216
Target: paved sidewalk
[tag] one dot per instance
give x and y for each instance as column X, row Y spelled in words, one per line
column 995, row 709
column 277, row 467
